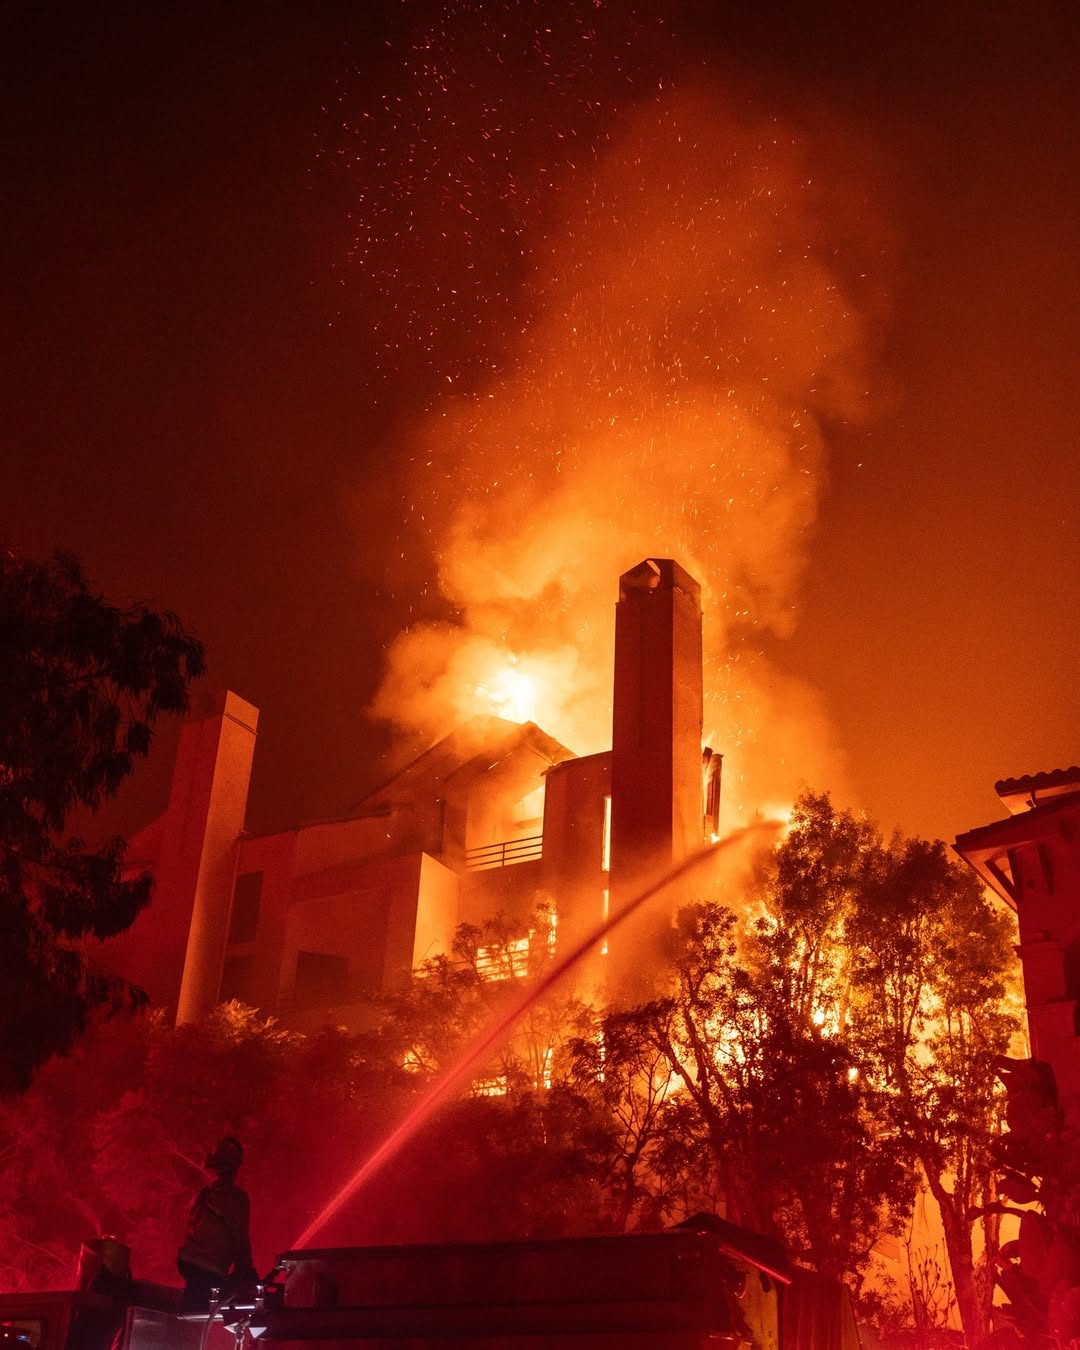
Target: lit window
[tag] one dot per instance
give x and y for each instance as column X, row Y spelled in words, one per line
column 605, row 847
column 503, row 961
column 531, row 807
column 491, row 1087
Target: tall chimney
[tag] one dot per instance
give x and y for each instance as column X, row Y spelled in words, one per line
column 205, row 819
column 656, row 773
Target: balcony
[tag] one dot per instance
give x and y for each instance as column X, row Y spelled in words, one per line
column 506, row 854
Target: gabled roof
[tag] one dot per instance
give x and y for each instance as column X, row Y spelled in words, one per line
column 474, row 748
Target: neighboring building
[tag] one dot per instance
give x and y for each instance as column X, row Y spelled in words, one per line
column 306, row 922
column 1032, row 860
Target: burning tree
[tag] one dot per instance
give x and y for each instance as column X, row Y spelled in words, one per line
column 783, row 1117
column 833, row 1041
column 621, row 1068
column 453, row 998
column 931, row 969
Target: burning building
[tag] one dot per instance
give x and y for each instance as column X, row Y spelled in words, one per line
column 497, row 816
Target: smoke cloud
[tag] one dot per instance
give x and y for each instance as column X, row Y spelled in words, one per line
column 698, row 316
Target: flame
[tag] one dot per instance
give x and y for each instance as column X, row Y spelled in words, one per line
column 510, row 693
column 692, row 325
column 778, row 813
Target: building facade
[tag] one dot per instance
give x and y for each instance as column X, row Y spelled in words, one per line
column 497, row 817
column 1032, row 860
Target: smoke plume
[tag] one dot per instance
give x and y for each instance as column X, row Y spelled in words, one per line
column 697, row 309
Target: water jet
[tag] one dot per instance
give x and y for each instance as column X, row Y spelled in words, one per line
column 491, row 1036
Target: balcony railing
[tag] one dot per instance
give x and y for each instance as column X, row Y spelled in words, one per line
column 506, row 854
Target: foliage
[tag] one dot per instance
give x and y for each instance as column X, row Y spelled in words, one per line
column 921, row 1002
column 1039, row 1160
column 831, row 1039
column 624, row 1074
column 817, row 1047
column 454, row 998
column 783, row 1114
column 932, row 963
column 82, row 684
column 111, row 1138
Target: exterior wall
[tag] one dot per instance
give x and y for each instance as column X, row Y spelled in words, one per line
column 356, row 891
column 512, row 891
column 1046, row 872
column 575, row 807
column 274, row 857
column 382, row 915
column 364, row 915
column 191, row 853
column 351, row 858
column 437, row 911
column 338, row 843
column 490, row 803
column 1033, row 860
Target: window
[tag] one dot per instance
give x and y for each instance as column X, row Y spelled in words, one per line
column 605, row 844
column 322, row 978
column 245, row 907
column 491, row 1087
column 503, row 960
column 238, row 979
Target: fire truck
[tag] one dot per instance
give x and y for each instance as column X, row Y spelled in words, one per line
column 681, row 1289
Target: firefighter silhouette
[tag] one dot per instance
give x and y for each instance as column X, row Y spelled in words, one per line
column 216, row 1251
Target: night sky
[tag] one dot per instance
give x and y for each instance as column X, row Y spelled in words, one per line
column 243, row 267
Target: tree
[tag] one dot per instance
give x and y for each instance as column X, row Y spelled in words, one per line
column 111, row 1136
column 82, row 683
column 833, row 1037
column 931, row 964
column 897, row 952
column 783, row 1114
column 1039, row 1161
column 621, row 1069
column 453, row 998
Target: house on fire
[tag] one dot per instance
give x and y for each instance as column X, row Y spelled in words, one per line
column 494, row 818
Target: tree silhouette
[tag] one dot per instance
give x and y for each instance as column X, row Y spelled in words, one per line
column 82, row 684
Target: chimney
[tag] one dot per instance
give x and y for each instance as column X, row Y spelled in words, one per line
column 656, row 763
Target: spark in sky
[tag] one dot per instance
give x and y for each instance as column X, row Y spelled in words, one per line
column 640, row 305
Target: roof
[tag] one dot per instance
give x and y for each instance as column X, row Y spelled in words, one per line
column 764, row 1252
column 1022, row 794
column 986, row 847
column 472, row 749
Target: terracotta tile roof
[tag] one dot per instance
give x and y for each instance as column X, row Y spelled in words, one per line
column 1039, row 782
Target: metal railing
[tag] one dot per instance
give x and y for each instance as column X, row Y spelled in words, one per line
column 507, row 853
